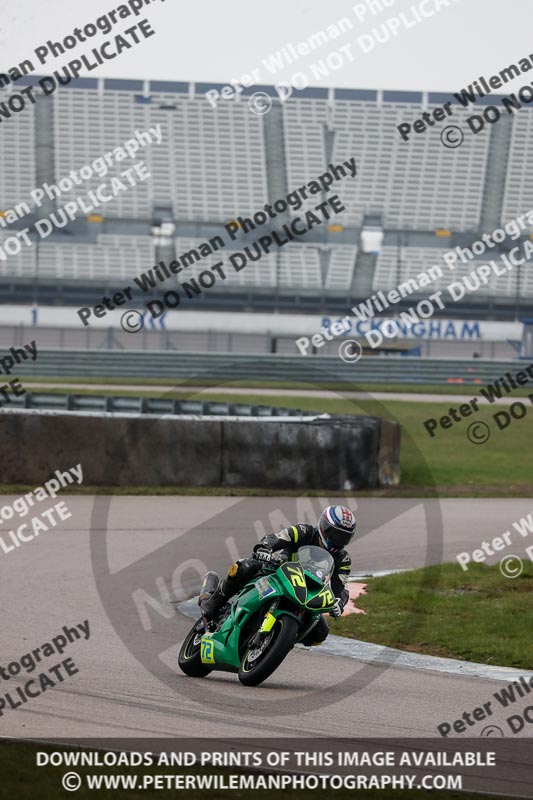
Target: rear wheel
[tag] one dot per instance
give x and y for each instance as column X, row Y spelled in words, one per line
column 260, row 661
column 189, row 657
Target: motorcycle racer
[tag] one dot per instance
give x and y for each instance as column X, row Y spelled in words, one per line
column 335, row 530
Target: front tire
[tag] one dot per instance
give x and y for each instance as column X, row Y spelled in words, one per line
column 189, row 660
column 256, row 665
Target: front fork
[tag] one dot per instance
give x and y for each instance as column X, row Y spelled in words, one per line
column 269, row 620
column 266, row 626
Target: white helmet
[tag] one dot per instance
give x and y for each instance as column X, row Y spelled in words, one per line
column 336, row 527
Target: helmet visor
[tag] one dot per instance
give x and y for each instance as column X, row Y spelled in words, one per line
column 338, row 538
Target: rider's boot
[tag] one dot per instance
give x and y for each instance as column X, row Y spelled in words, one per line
column 238, row 574
column 209, row 584
column 212, row 605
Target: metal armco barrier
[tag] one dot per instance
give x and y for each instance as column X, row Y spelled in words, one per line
column 228, row 367
column 151, row 405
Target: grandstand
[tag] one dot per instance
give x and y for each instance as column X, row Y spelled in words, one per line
column 418, row 259
column 216, row 164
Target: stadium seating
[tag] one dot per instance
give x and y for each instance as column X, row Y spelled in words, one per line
column 216, row 164
column 23, row 265
column 100, row 262
column 17, row 159
column 210, row 166
column 341, row 268
column 398, row 266
column 298, row 267
column 261, row 273
column 518, row 196
column 418, row 185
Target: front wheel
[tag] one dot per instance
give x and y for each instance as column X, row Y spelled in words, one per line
column 189, row 657
column 258, row 663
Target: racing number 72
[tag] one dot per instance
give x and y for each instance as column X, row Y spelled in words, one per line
column 327, row 598
column 297, row 579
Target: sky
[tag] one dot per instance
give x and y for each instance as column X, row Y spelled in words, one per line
column 209, row 40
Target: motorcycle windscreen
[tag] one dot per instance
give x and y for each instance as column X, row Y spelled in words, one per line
column 317, row 562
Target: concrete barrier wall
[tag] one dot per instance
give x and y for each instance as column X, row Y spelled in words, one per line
column 340, row 453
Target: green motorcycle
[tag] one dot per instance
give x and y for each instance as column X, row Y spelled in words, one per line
column 254, row 632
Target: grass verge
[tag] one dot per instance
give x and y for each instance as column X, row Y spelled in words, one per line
column 422, row 610
column 466, row 389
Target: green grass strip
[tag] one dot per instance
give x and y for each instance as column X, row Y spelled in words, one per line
column 477, row 615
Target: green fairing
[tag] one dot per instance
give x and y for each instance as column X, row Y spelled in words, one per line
column 288, row 585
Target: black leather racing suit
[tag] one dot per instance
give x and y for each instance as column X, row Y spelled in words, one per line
column 289, row 540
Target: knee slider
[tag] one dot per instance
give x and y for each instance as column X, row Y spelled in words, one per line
column 320, row 631
column 323, row 632
column 317, row 635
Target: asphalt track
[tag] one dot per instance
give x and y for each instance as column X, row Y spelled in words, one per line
column 162, row 544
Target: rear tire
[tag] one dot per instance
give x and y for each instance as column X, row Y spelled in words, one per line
column 254, row 671
column 189, row 660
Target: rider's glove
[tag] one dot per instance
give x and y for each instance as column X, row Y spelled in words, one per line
column 336, row 611
column 264, row 554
